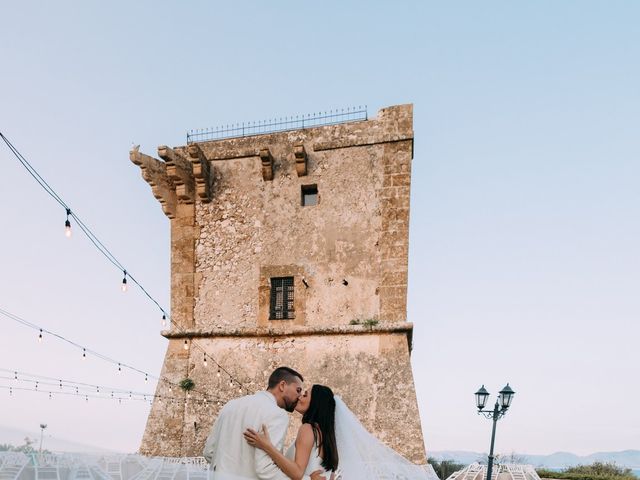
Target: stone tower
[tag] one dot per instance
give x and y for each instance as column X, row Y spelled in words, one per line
column 289, row 248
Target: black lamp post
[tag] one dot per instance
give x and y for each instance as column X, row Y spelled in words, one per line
column 42, row 427
column 499, row 410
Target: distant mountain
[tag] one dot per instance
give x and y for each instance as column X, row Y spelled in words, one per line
column 16, row 437
column 625, row 458
column 459, row 456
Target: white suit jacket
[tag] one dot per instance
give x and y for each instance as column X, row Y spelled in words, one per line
column 229, row 454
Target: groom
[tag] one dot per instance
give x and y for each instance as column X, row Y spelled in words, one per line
column 230, row 456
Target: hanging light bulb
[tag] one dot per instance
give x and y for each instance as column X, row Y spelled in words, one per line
column 97, row 389
column 84, row 354
column 60, row 384
column 146, row 378
column 50, row 396
column 170, row 389
column 10, row 391
column 119, row 368
column 164, row 320
column 40, row 337
column 67, row 225
column 15, row 376
column 218, row 374
column 186, row 344
column 86, row 397
column 36, row 385
column 123, row 287
column 205, row 360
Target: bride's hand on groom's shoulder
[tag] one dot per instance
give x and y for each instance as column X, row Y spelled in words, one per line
column 259, row 439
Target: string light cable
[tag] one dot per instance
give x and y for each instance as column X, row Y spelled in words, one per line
column 82, row 389
column 83, row 226
column 52, row 393
column 94, row 353
column 109, row 256
column 20, row 376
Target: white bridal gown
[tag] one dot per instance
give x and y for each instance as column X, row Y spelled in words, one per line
column 315, row 462
column 362, row 456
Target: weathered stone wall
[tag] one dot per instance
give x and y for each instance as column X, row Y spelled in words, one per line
column 347, row 254
column 358, row 232
column 371, row 371
column 257, row 223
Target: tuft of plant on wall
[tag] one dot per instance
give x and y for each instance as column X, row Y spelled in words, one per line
column 366, row 322
column 187, row 384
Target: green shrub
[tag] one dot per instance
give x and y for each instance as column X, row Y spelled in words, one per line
column 370, row 322
column 595, row 471
column 367, row 322
column 26, row 448
column 187, row 384
column 444, row 468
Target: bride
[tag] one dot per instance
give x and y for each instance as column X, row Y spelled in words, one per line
column 315, row 446
column 332, row 440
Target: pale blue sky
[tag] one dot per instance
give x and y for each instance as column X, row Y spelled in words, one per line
column 524, row 262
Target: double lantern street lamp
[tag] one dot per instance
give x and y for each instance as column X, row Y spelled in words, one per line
column 499, row 410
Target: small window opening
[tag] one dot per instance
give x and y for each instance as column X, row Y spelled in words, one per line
column 281, row 298
column 309, row 195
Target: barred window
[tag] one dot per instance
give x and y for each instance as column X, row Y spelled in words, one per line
column 281, row 298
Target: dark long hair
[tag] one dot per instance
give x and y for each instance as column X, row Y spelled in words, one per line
column 321, row 414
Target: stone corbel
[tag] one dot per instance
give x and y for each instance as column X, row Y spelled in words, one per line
column 201, row 172
column 301, row 160
column 180, row 172
column 267, row 164
column 154, row 173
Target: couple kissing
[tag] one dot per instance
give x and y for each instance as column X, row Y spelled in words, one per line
column 247, row 438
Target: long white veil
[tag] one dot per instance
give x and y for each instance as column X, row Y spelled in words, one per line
column 363, row 457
